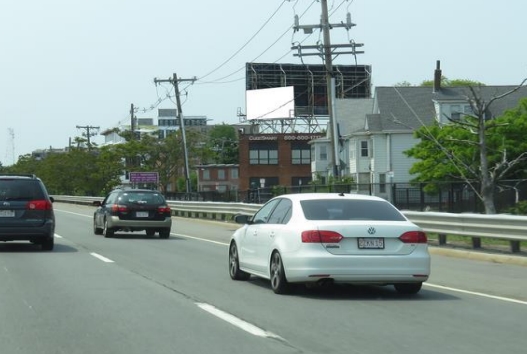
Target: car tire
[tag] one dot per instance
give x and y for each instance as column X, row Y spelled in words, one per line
column 164, row 233
column 107, row 231
column 278, row 279
column 408, row 288
column 48, row 244
column 150, row 233
column 234, row 264
column 96, row 230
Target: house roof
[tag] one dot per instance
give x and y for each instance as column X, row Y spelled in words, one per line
column 404, row 108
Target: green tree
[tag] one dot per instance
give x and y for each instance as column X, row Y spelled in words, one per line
column 223, row 144
column 445, row 82
column 474, row 149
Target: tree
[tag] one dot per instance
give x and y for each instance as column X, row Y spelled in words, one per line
column 223, row 143
column 445, row 82
column 474, row 149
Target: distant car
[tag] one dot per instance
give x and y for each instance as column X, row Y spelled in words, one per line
column 26, row 210
column 133, row 210
column 318, row 238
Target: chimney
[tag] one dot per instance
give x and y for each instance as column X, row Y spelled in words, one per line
column 437, row 77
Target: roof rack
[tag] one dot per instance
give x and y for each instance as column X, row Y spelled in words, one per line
column 30, row 175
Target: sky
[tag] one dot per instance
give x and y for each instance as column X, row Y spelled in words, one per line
column 69, row 63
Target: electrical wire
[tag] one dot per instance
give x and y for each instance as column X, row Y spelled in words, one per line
column 246, row 43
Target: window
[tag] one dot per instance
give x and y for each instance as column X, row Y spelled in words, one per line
column 282, row 213
column 234, row 173
column 221, row 174
column 323, row 156
column 347, row 209
column 263, row 153
column 206, row 174
column 300, row 153
column 364, row 151
column 382, row 182
column 455, row 112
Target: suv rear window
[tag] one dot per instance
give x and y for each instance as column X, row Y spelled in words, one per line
column 20, row 189
column 350, row 209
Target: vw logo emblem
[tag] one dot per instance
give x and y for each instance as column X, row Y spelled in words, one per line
column 371, row 230
column 6, row 204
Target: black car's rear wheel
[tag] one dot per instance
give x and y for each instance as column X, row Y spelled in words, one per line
column 234, row 264
column 279, row 282
column 107, row 231
column 408, row 288
column 48, row 244
column 165, row 233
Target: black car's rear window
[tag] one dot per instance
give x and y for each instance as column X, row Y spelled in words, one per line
column 142, row 198
column 21, row 189
column 350, row 209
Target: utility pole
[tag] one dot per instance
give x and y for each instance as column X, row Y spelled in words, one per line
column 132, row 121
column 327, row 51
column 175, row 81
column 88, row 133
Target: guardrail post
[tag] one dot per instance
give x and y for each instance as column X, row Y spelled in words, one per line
column 441, row 238
column 515, row 246
column 476, row 242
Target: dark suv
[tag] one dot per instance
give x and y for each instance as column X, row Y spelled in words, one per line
column 133, row 210
column 26, row 210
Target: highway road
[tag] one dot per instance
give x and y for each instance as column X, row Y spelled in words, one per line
column 135, row 294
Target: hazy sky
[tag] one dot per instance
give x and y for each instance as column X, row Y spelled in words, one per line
column 68, row 63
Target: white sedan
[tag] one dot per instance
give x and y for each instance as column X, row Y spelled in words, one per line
column 316, row 238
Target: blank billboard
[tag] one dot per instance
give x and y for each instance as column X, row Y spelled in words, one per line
column 270, row 103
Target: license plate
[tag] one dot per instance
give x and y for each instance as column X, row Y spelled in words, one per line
column 141, row 214
column 371, row 243
column 7, row 213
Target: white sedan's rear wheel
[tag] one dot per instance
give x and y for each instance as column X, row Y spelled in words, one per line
column 279, row 282
column 408, row 288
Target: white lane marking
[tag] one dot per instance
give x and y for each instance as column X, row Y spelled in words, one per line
column 201, row 239
column 102, row 258
column 501, row 298
column 70, row 212
column 246, row 326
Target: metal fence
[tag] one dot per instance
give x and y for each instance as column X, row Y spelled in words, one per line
column 453, row 197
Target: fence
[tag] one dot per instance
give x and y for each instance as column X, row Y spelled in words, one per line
column 452, row 197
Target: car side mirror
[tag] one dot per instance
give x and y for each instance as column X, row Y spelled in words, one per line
column 242, row 219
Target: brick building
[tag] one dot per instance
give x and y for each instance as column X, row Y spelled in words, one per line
column 268, row 160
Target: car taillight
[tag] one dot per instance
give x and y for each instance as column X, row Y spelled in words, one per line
column 165, row 209
column 40, row 204
column 414, row 237
column 116, row 208
column 321, row 236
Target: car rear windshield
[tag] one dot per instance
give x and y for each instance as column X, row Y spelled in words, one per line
column 20, row 189
column 142, row 198
column 350, row 209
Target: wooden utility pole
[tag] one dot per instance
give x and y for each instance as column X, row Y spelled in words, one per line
column 88, row 134
column 175, row 81
column 327, row 51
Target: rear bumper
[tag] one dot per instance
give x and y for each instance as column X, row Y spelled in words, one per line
column 115, row 223
column 414, row 267
column 26, row 233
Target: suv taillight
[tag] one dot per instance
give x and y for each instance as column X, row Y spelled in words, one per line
column 413, row 237
column 40, row 204
column 321, row 236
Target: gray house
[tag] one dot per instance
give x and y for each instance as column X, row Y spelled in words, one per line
column 374, row 133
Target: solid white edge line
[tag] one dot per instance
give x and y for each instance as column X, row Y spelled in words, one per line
column 102, row 258
column 501, row 298
column 243, row 325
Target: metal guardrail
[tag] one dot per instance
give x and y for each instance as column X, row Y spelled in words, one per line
column 512, row 228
